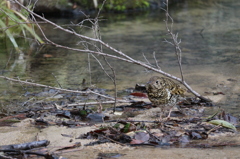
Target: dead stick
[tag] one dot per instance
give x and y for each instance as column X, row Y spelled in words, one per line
column 140, row 121
column 45, row 86
column 95, row 103
column 111, row 139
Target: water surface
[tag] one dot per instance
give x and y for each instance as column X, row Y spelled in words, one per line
column 209, row 32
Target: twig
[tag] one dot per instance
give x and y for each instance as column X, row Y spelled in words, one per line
column 140, row 121
column 153, row 135
column 95, row 103
column 45, row 86
column 175, row 41
column 57, row 81
column 13, row 116
column 214, row 128
column 146, row 59
column 26, row 146
column 156, row 62
column 97, row 35
column 89, row 69
column 39, row 101
column 110, row 139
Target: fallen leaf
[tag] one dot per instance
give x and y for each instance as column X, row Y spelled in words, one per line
column 139, row 94
column 217, row 93
column 143, row 136
column 223, row 124
column 134, row 141
column 47, row 55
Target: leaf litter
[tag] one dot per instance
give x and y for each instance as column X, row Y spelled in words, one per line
column 135, row 124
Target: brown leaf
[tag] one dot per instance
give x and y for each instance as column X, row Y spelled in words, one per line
column 139, row 94
column 142, row 136
column 217, row 93
column 47, row 55
column 134, row 141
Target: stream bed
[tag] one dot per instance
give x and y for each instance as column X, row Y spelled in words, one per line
column 209, row 33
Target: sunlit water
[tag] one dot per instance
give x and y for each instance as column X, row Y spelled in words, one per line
column 209, row 33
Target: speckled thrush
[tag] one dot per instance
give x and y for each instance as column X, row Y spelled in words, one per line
column 164, row 93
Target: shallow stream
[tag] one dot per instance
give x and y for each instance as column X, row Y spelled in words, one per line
column 209, row 33
column 210, row 37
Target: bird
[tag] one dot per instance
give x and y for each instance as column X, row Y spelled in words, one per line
column 164, row 93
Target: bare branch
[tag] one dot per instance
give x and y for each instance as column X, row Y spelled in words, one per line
column 97, row 35
column 146, row 59
column 56, row 80
column 95, row 103
column 156, row 62
column 60, row 89
column 175, row 42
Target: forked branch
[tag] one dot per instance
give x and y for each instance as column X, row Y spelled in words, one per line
column 120, row 55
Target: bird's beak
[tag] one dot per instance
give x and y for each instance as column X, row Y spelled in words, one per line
column 149, row 82
column 148, row 85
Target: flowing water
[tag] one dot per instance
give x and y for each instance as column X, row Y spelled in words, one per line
column 209, row 33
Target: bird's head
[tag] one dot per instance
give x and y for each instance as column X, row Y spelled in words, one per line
column 155, row 82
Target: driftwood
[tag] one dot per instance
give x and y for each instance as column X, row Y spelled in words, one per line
column 25, row 146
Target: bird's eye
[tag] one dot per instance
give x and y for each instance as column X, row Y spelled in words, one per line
column 157, row 82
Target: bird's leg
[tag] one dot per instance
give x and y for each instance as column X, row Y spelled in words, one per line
column 160, row 115
column 170, row 111
column 169, row 114
column 180, row 110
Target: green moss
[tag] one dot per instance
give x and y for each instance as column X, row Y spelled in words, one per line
column 114, row 5
column 122, row 5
